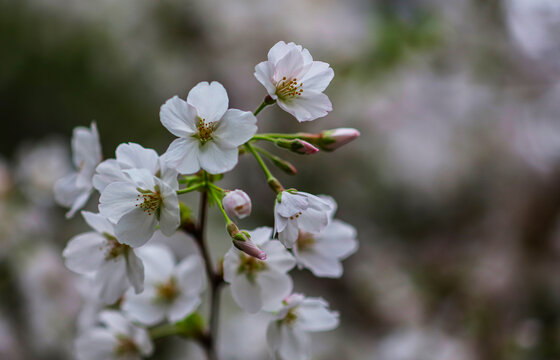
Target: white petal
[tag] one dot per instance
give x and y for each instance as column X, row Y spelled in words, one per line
column 99, row 223
column 313, row 315
column 136, row 227
column 86, row 149
column 69, row 194
column 134, row 156
column 142, row 178
column 309, row 106
column 217, row 160
column 290, row 234
column 109, row 171
column 95, row 344
column 235, row 128
column 318, row 77
column 313, row 220
column 79, row 203
column 170, row 218
column 319, row 264
column 158, row 262
column 287, row 343
column 143, row 341
column 142, row 308
column 277, row 257
column 168, row 175
column 231, row 264
column 178, row 117
column 190, row 274
column 337, row 240
column 84, row 253
column 264, row 73
column 275, row 286
column 292, row 204
column 135, row 271
column 247, row 294
column 182, row 154
column 290, row 66
column 210, row 100
column 111, row 280
column 117, row 199
column 278, row 51
column 261, row 235
column 116, row 322
column 181, row 307
column 280, row 222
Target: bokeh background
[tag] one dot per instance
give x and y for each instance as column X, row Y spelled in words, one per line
column 454, row 185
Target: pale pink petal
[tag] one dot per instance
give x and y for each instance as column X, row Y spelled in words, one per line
column 217, row 160
column 235, row 128
column 210, row 100
column 178, row 117
column 182, row 154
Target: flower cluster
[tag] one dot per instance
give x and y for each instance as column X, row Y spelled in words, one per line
column 153, row 292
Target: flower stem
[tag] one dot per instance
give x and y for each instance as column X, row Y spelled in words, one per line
column 189, row 189
column 273, row 136
column 267, row 101
column 214, row 277
column 272, row 181
column 163, row 331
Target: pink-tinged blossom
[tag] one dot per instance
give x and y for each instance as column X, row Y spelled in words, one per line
column 132, row 156
column 295, row 211
column 137, row 206
column 295, row 81
column 112, row 265
column 208, row 133
column 74, row 190
column 287, row 335
column 171, row 291
column 117, row 339
column 237, row 203
column 323, row 252
column 258, row 284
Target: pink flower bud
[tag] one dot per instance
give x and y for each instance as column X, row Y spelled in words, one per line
column 306, row 148
column 335, row 138
column 237, row 203
column 249, row 248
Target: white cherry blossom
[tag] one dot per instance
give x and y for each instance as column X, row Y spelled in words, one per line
column 287, row 335
column 208, row 133
column 74, row 190
column 139, row 205
column 258, row 284
column 297, row 210
column 171, row 291
column 113, row 265
column 295, row 81
column 118, row 339
column 322, row 252
column 131, row 156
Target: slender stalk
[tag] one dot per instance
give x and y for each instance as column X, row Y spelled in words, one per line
column 273, row 136
column 189, row 189
column 261, row 106
column 215, row 278
column 252, row 150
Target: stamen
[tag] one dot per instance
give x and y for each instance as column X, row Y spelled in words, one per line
column 305, row 241
column 289, row 89
column 205, row 130
column 126, row 347
column 149, row 201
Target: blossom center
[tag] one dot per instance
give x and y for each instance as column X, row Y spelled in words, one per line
column 290, row 317
column 289, row 89
column 305, row 241
column 149, row 201
column 114, row 247
column 125, row 346
column 250, row 266
column 205, row 130
column 167, row 291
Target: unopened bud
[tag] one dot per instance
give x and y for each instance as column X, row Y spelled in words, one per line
column 283, row 165
column 297, row 146
column 237, row 203
column 249, row 248
column 331, row 140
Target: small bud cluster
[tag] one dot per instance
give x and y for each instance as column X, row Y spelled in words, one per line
column 154, row 292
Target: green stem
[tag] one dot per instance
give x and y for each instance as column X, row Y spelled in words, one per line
column 279, row 136
column 271, row 180
column 261, row 106
column 219, row 202
column 267, row 172
column 189, row 189
column 163, row 331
